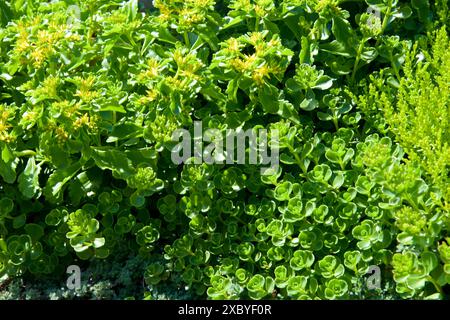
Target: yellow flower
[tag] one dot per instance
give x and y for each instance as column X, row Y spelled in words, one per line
column 39, row 55
column 165, row 13
column 73, row 37
column 44, row 37
column 4, row 126
column 37, row 20
column 85, row 89
column 151, row 96
column 50, row 85
column 175, row 83
column 61, row 134
column 117, row 18
column 4, row 114
column 242, row 65
column 6, row 137
column 276, row 69
column 190, row 16
column 178, row 57
column 260, row 73
column 260, row 12
column 233, row 45
column 29, row 115
column 200, row 3
column 152, row 71
column 65, row 108
column 87, row 121
column 22, row 44
column 332, row 5
column 274, row 42
column 237, row 64
column 255, row 37
column 249, row 61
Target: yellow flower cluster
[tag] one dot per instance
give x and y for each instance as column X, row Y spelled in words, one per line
column 151, row 95
column 37, row 39
column 66, row 108
column 321, row 5
column 85, row 92
column 161, row 128
column 87, row 121
column 5, row 136
column 261, row 8
column 153, row 69
column 260, row 64
column 410, row 220
column 61, row 134
column 185, row 14
column 119, row 20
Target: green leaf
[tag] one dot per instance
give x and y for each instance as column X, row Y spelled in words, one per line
column 6, row 14
column 57, row 181
column 125, row 130
column 338, row 180
column 284, row 158
column 323, row 83
column 99, row 242
column 35, row 231
column 379, row 5
column 232, row 89
column 113, row 108
column 114, row 160
column 423, row 9
column 345, row 36
column 29, row 179
column 416, row 282
column 429, row 261
column 332, row 156
column 6, row 206
column 8, row 164
column 102, row 253
column 309, row 104
column 19, row 221
column 131, row 9
column 269, row 99
column 403, row 13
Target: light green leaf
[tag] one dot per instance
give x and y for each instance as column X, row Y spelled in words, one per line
column 57, row 181
column 29, row 179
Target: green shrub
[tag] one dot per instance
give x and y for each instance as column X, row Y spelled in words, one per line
column 89, row 103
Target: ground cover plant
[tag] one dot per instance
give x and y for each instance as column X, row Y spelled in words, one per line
column 91, row 93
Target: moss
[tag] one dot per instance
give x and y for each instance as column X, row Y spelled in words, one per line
column 115, row 278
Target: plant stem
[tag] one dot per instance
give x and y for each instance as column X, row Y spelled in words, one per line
column 435, row 284
column 186, row 39
column 25, row 153
column 336, row 123
column 358, row 58
column 397, row 74
column 114, row 122
column 257, row 24
column 387, row 16
column 298, row 160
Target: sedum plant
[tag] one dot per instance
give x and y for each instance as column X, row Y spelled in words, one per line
column 90, row 100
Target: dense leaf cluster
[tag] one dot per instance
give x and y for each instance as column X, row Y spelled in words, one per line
column 91, row 92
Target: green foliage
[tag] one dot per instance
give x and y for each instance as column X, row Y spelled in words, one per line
column 422, row 131
column 89, row 103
